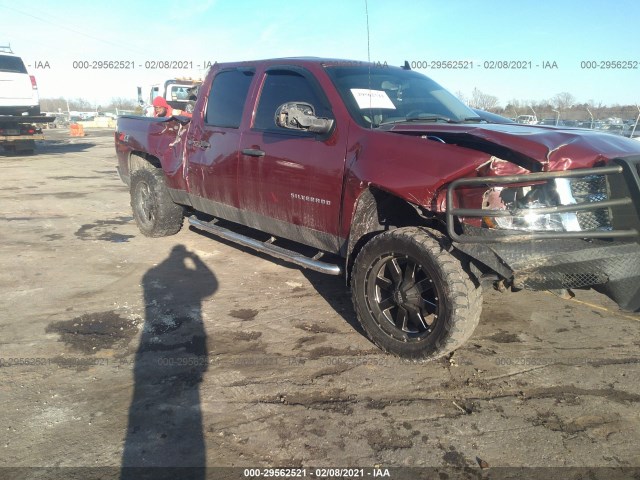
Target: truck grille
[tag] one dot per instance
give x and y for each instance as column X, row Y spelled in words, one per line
column 592, row 189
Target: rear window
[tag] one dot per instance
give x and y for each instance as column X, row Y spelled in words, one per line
column 11, row 64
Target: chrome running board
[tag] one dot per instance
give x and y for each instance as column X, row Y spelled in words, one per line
column 267, row 247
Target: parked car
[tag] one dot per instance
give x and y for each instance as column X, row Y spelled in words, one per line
column 393, row 183
column 527, row 119
column 631, row 130
column 615, row 129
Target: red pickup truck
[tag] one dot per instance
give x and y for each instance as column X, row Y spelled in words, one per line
column 394, row 183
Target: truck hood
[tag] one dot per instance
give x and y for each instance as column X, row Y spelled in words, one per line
column 534, row 148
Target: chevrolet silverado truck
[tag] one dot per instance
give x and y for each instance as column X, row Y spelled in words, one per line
column 392, row 182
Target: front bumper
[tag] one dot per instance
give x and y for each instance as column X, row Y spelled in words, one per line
column 610, row 267
column 606, row 260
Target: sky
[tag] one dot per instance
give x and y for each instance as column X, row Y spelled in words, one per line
column 56, row 38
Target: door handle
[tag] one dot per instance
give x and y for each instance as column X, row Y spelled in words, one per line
column 251, row 152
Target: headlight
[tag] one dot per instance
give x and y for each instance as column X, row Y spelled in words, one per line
column 525, row 200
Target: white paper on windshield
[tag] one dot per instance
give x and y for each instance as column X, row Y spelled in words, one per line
column 372, row 98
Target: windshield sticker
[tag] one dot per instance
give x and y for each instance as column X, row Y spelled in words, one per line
column 372, row 98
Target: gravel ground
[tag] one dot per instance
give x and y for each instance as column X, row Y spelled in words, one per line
column 119, row 349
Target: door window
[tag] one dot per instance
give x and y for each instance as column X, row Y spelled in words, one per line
column 227, row 97
column 282, row 86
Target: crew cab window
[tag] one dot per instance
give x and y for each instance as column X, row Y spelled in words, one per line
column 282, row 86
column 227, row 97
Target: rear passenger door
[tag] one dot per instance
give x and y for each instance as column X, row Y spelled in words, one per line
column 290, row 181
column 213, row 141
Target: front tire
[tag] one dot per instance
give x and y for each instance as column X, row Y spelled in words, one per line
column 153, row 210
column 412, row 297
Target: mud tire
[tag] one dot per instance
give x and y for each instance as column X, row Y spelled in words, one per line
column 153, row 210
column 405, row 278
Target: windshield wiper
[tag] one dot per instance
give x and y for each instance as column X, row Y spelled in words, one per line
column 421, row 118
column 474, row 119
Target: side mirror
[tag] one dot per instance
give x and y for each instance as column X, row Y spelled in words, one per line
column 301, row 116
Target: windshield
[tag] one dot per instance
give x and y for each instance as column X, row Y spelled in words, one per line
column 384, row 95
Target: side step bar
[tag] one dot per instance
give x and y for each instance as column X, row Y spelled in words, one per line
column 267, row 247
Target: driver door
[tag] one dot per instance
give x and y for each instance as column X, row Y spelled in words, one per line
column 290, row 181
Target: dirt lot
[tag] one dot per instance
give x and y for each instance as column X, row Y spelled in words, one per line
column 119, row 349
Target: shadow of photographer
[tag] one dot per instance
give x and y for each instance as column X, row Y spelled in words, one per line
column 165, row 418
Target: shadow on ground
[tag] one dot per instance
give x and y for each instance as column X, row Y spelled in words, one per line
column 165, row 418
column 332, row 288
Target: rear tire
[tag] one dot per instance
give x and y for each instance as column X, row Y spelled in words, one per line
column 153, row 210
column 412, row 297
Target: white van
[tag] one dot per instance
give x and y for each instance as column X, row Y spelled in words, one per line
column 18, row 89
column 527, row 119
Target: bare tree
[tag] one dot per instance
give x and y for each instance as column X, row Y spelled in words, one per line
column 563, row 100
column 53, row 104
column 462, row 97
column 513, row 107
column 595, row 107
column 122, row 103
column 80, row 104
column 483, row 101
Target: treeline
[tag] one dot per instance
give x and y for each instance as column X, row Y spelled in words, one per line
column 563, row 104
column 60, row 104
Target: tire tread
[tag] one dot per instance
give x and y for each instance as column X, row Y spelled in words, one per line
column 169, row 215
column 465, row 296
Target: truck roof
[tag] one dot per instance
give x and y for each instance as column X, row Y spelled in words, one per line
column 324, row 62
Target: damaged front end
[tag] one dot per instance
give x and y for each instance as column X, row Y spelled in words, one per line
column 555, row 229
